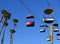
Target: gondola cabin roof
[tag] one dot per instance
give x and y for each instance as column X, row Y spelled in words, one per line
column 48, row 11
column 48, row 20
column 29, row 16
column 29, row 24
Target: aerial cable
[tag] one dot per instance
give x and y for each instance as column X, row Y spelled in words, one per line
column 49, row 10
column 49, row 5
column 24, row 5
column 28, row 8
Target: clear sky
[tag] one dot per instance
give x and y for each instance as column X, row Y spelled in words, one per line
column 29, row 35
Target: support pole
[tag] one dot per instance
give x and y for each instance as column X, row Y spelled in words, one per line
column 51, row 34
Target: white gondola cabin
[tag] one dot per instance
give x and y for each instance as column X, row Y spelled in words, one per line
column 48, row 20
column 48, row 38
column 42, row 30
column 56, row 30
column 58, row 38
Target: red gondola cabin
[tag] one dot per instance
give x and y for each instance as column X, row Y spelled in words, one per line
column 29, row 24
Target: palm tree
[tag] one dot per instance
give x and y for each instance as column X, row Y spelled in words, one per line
column 15, row 22
column 3, row 32
column 6, row 16
column 12, row 31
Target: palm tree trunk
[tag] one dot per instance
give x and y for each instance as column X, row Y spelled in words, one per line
column 1, row 30
column 11, row 38
column 3, row 33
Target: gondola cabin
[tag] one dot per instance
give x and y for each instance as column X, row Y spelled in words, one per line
column 48, row 20
column 58, row 34
column 29, row 24
column 42, row 30
column 29, row 16
column 48, row 38
column 58, row 38
column 48, row 11
column 56, row 25
column 44, row 26
column 56, row 30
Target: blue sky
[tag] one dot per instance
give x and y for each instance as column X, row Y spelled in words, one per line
column 29, row 35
